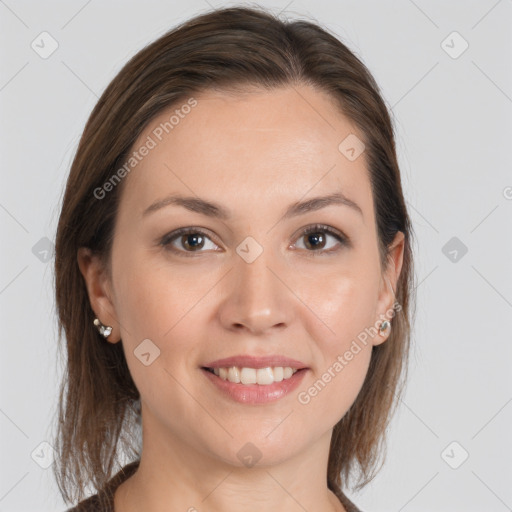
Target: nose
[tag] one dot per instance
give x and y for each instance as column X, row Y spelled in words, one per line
column 257, row 298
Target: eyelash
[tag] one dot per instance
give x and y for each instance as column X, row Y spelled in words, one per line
column 316, row 228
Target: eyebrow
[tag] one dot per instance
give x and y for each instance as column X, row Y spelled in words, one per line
column 211, row 209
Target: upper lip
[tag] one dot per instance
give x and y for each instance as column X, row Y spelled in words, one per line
column 246, row 361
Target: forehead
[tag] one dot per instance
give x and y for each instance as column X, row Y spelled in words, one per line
column 249, row 149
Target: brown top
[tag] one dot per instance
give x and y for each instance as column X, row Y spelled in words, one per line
column 104, row 500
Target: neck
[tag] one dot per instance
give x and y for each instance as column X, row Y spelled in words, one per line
column 173, row 475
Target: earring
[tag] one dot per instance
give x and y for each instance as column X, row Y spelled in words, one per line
column 104, row 330
column 384, row 326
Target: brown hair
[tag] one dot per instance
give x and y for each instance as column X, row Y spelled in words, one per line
column 230, row 49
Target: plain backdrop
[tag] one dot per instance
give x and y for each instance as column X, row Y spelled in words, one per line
column 444, row 69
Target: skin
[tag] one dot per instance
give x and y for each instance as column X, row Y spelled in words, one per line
column 255, row 154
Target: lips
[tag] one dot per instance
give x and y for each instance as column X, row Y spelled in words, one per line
column 256, row 362
column 253, row 394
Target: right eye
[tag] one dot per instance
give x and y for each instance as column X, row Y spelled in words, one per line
column 191, row 240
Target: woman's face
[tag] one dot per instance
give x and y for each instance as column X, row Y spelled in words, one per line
column 249, row 281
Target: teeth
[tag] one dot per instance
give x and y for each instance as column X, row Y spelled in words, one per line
column 262, row 376
column 233, row 374
column 278, row 374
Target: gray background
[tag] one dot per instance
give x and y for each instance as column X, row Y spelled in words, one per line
column 453, row 119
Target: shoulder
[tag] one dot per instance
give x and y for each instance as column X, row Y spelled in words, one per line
column 103, row 501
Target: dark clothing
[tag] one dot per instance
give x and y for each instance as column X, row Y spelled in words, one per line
column 104, row 500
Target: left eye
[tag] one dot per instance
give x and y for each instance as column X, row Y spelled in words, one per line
column 316, row 236
column 192, row 240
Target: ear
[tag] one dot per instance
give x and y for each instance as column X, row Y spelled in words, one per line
column 388, row 286
column 99, row 287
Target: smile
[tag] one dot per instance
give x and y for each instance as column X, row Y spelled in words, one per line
column 255, row 386
column 261, row 376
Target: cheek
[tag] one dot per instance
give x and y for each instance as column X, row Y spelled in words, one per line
column 150, row 299
column 327, row 396
column 344, row 349
column 166, row 306
column 155, row 315
column 346, row 304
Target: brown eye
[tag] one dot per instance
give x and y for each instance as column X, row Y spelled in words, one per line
column 187, row 240
column 192, row 241
column 316, row 239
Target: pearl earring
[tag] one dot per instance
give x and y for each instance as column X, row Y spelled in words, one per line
column 104, row 330
column 384, row 326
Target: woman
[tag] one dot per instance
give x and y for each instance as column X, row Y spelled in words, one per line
column 233, row 275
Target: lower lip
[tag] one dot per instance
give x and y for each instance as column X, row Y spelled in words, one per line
column 256, row 393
